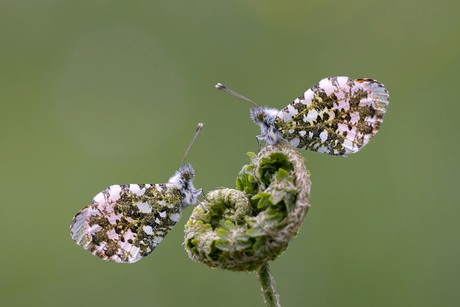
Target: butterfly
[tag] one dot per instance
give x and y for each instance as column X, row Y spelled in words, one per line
column 124, row 223
column 337, row 116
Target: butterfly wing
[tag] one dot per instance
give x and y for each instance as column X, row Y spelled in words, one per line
column 337, row 116
column 124, row 223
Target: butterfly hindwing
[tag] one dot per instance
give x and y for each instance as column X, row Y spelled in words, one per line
column 337, row 116
column 126, row 222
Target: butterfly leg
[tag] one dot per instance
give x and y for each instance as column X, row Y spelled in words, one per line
column 204, row 195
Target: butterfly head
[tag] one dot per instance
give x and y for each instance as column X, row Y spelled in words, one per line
column 265, row 118
column 183, row 180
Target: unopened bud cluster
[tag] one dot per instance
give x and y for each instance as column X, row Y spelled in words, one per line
column 241, row 229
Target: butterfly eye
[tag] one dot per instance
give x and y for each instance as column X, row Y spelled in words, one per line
column 261, row 116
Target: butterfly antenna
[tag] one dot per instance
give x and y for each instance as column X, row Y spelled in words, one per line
column 222, row 87
column 197, row 131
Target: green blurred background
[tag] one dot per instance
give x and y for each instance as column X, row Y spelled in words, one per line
column 95, row 93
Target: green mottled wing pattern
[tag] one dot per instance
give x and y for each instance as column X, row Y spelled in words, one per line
column 126, row 222
column 337, row 116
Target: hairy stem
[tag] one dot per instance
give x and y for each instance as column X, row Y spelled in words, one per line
column 267, row 282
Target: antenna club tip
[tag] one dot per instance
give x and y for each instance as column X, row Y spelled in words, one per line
column 219, row 86
column 197, row 131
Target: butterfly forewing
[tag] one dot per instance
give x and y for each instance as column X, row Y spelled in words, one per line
column 337, row 116
column 126, row 222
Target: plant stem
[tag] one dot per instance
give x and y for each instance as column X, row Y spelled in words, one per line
column 267, row 282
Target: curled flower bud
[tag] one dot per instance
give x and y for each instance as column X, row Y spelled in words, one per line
column 241, row 229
